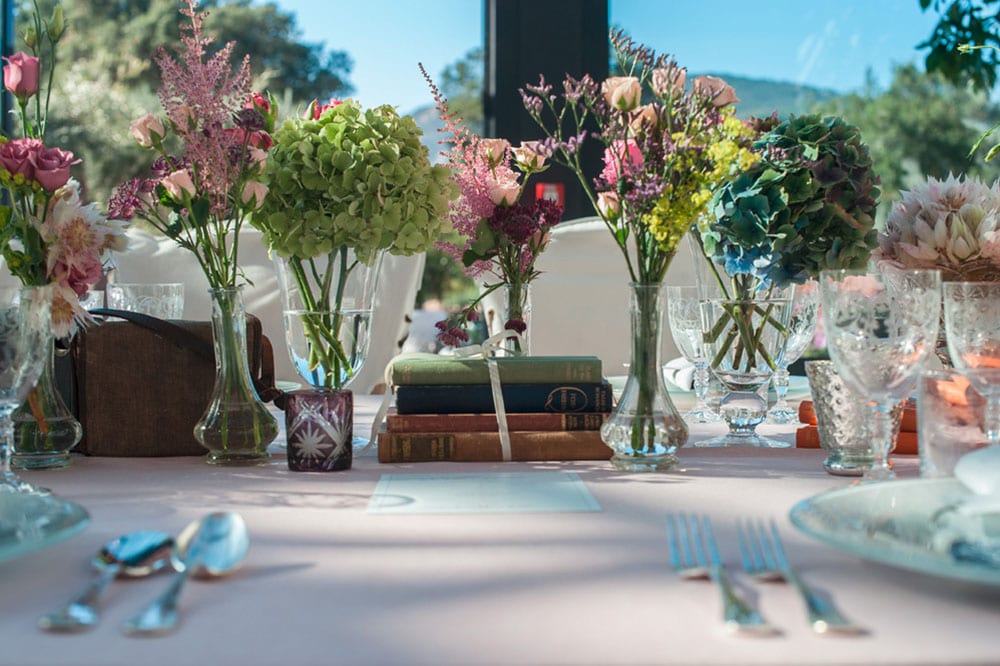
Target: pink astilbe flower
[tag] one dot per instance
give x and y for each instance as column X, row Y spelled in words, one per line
column 199, row 94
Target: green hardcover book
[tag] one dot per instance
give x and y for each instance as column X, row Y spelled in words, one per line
column 431, row 369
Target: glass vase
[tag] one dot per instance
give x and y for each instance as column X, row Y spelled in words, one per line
column 45, row 430
column 319, row 424
column 744, row 338
column 327, row 304
column 645, row 430
column 236, row 427
column 514, row 313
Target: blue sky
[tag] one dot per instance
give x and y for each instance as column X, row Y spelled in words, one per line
column 824, row 43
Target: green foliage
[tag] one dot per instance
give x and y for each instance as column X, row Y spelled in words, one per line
column 922, row 125
column 964, row 22
column 353, row 177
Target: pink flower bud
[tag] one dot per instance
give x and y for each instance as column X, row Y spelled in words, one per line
column 147, row 131
column 622, row 92
column 178, row 184
column 20, row 75
column 669, row 81
column 254, row 194
column 715, row 89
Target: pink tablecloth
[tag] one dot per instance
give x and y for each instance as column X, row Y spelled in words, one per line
column 328, row 583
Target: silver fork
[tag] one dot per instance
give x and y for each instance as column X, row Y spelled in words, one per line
column 689, row 538
column 764, row 558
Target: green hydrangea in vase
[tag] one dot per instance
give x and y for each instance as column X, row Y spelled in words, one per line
column 661, row 160
column 201, row 198
column 501, row 234
column 346, row 185
column 49, row 238
column 806, row 203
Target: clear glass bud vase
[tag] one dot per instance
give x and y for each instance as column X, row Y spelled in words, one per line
column 515, row 313
column 45, row 430
column 237, row 427
column 645, row 430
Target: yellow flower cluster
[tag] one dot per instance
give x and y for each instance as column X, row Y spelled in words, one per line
column 726, row 153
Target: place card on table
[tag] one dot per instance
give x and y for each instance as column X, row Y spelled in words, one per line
column 499, row 492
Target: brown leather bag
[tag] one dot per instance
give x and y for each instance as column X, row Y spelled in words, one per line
column 141, row 384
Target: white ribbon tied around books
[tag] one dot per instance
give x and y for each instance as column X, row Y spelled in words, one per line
column 488, row 351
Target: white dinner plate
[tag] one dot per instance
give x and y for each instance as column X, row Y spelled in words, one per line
column 30, row 522
column 891, row 522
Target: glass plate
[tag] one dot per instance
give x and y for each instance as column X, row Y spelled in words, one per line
column 892, row 523
column 29, row 522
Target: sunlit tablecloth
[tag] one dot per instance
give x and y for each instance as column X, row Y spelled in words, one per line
column 328, row 583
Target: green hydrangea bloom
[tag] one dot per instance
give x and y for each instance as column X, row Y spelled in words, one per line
column 354, row 177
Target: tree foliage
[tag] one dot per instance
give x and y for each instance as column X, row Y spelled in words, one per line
column 106, row 76
column 922, row 125
column 964, row 22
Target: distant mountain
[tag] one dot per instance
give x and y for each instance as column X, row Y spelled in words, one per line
column 758, row 97
column 761, row 97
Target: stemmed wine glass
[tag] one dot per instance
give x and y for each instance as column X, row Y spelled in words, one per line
column 684, row 319
column 972, row 327
column 880, row 328
column 25, row 321
column 805, row 304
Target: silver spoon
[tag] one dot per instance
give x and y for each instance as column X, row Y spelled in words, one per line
column 209, row 548
column 132, row 555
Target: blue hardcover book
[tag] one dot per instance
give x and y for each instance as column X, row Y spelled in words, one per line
column 478, row 398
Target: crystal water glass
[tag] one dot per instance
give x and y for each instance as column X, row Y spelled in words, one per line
column 972, row 329
column 881, row 328
column 25, row 323
column 801, row 326
column 743, row 337
column 684, row 319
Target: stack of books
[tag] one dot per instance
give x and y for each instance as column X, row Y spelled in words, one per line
column 444, row 409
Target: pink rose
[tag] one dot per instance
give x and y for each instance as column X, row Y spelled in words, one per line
column 530, row 156
column 621, row 157
column 494, row 150
column 503, row 189
column 52, row 167
column 646, row 116
column 254, row 193
column 608, row 205
column 20, row 75
column 669, row 81
column 715, row 89
column 178, row 184
column 147, row 131
column 15, row 156
column 622, row 92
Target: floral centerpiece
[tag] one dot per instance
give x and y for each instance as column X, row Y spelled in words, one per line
column 661, row 160
column 806, row 204
column 201, row 197
column 49, row 236
column 500, row 234
column 346, row 184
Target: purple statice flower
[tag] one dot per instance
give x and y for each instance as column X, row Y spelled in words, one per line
column 450, row 334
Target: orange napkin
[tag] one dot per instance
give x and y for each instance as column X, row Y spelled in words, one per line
column 807, row 415
column 807, row 437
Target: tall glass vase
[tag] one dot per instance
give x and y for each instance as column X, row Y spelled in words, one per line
column 327, row 302
column 237, row 427
column 645, row 430
column 45, row 430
